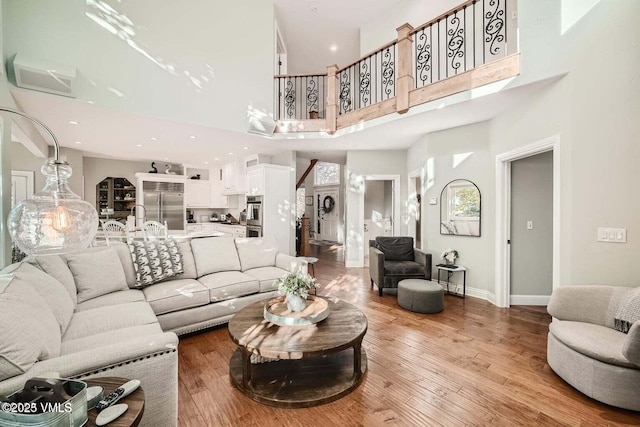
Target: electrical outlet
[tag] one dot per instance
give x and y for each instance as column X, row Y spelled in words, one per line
column 529, row 225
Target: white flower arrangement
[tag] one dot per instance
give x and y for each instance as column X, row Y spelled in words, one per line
column 450, row 255
column 297, row 283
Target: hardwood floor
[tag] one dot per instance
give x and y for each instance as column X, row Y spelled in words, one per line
column 472, row 364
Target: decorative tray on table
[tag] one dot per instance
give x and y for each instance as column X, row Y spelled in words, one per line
column 276, row 311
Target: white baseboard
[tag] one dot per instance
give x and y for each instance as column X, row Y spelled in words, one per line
column 472, row 292
column 353, row 264
column 529, row 299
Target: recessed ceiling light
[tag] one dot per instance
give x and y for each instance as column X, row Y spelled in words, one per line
column 333, row 47
column 78, row 142
column 90, row 102
column 193, row 137
column 73, row 122
column 206, row 163
column 216, row 158
column 166, row 158
column 153, row 138
column 230, row 153
column 246, row 148
column 138, row 145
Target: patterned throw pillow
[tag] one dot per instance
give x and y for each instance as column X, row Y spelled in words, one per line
column 628, row 312
column 155, row 261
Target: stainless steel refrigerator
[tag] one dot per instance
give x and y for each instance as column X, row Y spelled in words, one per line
column 164, row 201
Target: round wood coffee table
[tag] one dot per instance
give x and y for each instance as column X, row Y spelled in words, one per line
column 314, row 364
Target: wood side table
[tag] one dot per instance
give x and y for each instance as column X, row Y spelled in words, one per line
column 135, row 400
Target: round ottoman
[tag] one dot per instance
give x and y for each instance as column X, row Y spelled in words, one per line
column 421, row 296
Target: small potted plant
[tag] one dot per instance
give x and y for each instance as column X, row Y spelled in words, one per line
column 450, row 255
column 296, row 287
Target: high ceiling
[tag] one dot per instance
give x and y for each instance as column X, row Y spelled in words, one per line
column 311, row 27
column 102, row 131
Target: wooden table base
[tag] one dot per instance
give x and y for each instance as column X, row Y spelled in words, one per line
column 300, row 383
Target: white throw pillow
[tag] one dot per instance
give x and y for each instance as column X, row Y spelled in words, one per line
column 257, row 252
column 52, row 292
column 28, row 329
column 56, row 267
column 97, row 273
column 215, row 254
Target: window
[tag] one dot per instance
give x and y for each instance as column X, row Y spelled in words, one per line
column 327, row 173
column 300, row 206
column 465, row 203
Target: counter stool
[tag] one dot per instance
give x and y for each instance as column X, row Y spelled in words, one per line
column 421, row 296
column 311, row 261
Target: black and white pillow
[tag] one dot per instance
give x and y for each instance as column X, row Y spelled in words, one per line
column 155, row 261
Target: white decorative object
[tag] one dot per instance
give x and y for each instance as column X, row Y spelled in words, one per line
column 450, row 255
column 295, row 302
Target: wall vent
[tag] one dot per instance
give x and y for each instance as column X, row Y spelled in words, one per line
column 44, row 77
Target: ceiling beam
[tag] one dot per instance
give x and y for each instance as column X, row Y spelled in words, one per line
column 304, row 175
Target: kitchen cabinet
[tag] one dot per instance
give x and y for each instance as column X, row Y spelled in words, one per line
column 256, row 159
column 218, row 200
column 276, row 185
column 255, row 181
column 194, row 227
column 227, row 230
column 197, row 193
column 117, row 194
column 233, row 178
column 239, row 231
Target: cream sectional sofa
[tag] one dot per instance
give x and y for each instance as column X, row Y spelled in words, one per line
column 80, row 315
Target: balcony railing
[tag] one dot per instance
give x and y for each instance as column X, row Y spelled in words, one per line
column 300, row 97
column 466, row 47
column 472, row 34
column 368, row 81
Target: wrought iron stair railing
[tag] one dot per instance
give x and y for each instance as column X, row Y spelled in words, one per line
column 466, row 47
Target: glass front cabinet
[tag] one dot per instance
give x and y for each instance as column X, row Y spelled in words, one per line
column 114, row 198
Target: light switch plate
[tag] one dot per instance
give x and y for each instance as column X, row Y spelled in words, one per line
column 612, row 235
column 433, row 200
column 529, row 225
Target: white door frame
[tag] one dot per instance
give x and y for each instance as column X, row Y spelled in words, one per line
column 396, row 200
column 503, row 217
column 29, row 177
column 411, row 222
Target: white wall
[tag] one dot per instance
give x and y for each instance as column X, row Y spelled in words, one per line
column 468, row 148
column 211, row 60
column 594, row 110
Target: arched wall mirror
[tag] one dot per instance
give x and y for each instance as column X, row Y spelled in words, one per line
column 460, row 209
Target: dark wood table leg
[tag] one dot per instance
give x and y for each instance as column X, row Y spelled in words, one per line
column 246, row 370
column 357, row 359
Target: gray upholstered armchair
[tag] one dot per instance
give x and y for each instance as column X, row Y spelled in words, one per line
column 392, row 259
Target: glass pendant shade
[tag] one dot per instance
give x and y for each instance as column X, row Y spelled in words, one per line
column 55, row 220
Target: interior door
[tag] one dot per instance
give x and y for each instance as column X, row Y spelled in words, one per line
column 21, row 186
column 327, row 220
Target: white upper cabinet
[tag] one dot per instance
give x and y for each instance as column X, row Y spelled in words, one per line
column 197, row 193
column 233, row 178
column 255, row 181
